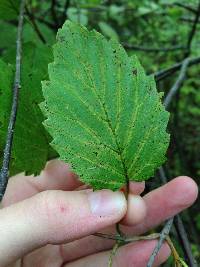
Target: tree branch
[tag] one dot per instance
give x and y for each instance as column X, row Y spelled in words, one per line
column 180, row 229
column 162, row 74
column 177, row 219
column 187, row 7
column 192, row 32
column 13, row 114
column 163, row 235
column 153, row 49
column 35, row 26
column 127, row 240
column 189, row 20
column 53, row 13
column 47, row 23
column 64, row 15
column 177, row 85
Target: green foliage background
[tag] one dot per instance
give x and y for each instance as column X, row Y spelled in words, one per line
column 136, row 24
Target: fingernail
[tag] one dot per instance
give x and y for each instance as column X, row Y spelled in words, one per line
column 106, row 202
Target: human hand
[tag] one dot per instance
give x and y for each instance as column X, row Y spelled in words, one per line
column 49, row 220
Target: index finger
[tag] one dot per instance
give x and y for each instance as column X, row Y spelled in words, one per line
column 56, row 176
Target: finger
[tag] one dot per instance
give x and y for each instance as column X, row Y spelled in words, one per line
column 161, row 204
column 134, row 254
column 56, row 175
column 136, row 210
column 165, row 202
column 136, row 188
column 54, row 217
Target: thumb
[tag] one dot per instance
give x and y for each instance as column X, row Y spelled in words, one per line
column 54, row 217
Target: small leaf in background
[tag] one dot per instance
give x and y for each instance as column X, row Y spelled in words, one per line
column 77, row 15
column 115, row 10
column 104, row 114
column 9, row 9
column 87, row 3
column 29, row 34
column 107, row 30
column 8, row 35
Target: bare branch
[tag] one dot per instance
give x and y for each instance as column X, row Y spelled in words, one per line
column 53, row 13
column 189, row 20
column 187, row 7
column 162, row 74
column 180, row 229
column 178, row 83
column 35, row 26
column 64, row 15
column 47, row 23
column 163, row 235
column 153, row 49
column 192, row 32
column 127, row 240
column 162, row 175
column 13, row 114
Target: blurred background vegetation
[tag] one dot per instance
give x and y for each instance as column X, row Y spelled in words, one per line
column 158, row 32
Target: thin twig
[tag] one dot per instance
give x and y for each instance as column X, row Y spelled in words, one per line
column 53, row 13
column 162, row 175
column 186, row 19
column 192, row 32
column 64, row 14
column 184, row 241
column 177, row 85
column 112, row 254
column 127, row 240
column 35, row 26
column 162, row 74
column 187, row 7
column 180, row 229
column 163, row 235
column 13, row 114
column 177, row 220
column 153, row 49
column 47, row 23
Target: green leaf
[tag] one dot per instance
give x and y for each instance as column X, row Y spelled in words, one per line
column 30, row 145
column 107, row 30
column 87, row 3
column 8, row 35
column 104, row 114
column 76, row 15
column 29, row 34
column 9, row 9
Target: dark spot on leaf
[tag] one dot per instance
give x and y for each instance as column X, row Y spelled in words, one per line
column 134, row 71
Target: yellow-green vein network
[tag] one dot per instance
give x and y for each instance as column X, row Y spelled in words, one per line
column 103, row 112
